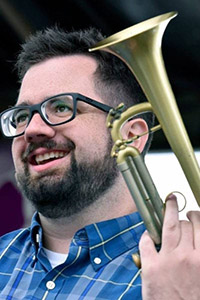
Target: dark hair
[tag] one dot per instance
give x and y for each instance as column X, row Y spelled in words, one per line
column 113, row 80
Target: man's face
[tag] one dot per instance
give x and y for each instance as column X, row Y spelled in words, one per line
column 69, row 155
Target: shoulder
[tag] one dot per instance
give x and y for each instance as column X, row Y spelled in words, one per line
column 14, row 238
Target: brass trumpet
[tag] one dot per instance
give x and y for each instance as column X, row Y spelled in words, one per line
column 139, row 47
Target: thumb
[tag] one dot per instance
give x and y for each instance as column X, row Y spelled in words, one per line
column 147, row 248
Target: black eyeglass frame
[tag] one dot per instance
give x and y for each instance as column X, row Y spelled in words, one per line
column 36, row 108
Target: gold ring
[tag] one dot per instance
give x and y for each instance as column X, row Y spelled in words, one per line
column 185, row 201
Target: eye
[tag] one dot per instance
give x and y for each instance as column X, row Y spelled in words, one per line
column 59, row 106
column 20, row 117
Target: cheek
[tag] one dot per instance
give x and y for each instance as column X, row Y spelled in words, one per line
column 92, row 137
column 16, row 152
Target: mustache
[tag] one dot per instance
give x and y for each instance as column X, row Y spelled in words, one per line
column 69, row 146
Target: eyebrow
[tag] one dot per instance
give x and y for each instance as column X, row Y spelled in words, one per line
column 27, row 103
column 24, row 103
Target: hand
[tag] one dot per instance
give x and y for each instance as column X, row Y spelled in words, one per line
column 173, row 273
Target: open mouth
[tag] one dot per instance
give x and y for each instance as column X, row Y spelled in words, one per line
column 41, row 159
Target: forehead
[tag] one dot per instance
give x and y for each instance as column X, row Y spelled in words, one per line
column 73, row 73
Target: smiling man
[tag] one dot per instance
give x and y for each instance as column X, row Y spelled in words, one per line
column 84, row 231
column 86, row 226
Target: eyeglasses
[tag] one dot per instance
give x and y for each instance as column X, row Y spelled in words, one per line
column 56, row 110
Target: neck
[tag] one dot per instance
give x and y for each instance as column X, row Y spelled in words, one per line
column 59, row 233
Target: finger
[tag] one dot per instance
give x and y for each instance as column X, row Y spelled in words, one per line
column 147, row 249
column 194, row 217
column 171, row 227
column 186, row 240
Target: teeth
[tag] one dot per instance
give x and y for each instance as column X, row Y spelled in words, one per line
column 42, row 157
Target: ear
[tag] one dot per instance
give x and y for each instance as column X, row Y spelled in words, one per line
column 133, row 128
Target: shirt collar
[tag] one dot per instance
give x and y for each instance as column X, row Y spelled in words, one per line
column 109, row 239
column 36, row 231
column 106, row 240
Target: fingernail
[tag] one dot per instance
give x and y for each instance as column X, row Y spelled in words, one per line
column 171, row 197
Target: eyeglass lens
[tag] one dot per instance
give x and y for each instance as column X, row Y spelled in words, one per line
column 55, row 110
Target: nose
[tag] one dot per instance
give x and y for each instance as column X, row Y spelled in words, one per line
column 37, row 130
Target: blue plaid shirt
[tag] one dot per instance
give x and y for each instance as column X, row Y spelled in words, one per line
column 99, row 264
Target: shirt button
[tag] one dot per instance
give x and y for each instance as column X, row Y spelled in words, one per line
column 50, row 285
column 97, row 260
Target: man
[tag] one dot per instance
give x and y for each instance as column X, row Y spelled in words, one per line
column 86, row 226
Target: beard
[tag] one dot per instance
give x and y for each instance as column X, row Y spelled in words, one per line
column 81, row 185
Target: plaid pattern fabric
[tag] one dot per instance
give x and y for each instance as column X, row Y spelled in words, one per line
column 99, row 264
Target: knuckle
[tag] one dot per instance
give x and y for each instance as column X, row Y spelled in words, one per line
column 183, row 258
column 149, row 269
column 186, row 260
column 171, row 226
